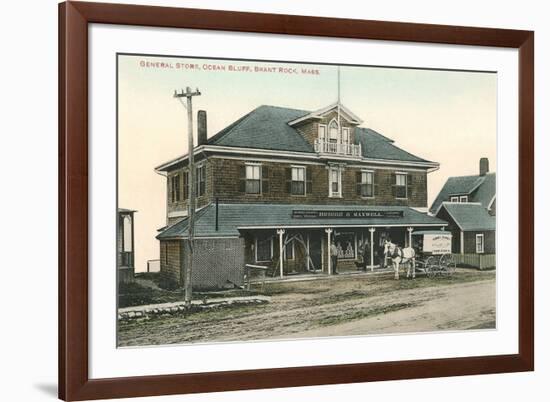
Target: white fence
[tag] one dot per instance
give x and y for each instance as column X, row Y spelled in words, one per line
column 481, row 261
column 153, row 265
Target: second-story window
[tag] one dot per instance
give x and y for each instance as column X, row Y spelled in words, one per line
column 335, row 182
column 253, row 179
column 463, row 198
column 201, row 180
column 365, row 184
column 298, row 184
column 454, row 199
column 400, row 185
column 185, row 184
column 175, row 188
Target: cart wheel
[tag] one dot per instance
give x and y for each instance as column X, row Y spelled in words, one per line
column 431, row 267
column 448, row 264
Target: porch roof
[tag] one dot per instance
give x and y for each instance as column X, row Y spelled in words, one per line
column 235, row 217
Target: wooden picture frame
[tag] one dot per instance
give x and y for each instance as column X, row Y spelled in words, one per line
column 74, row 381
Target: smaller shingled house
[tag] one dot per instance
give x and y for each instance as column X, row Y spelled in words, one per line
column 468, row 204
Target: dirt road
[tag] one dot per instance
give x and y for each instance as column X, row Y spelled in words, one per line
column 347, row 305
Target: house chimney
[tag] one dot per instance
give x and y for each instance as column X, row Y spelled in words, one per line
column 483, row 166
column 201, row 127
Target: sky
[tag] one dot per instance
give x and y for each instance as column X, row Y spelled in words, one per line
column 448, row 117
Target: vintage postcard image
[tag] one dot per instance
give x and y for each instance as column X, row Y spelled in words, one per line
column 262, row 200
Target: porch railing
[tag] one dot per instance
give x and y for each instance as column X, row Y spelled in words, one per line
column 334, row 148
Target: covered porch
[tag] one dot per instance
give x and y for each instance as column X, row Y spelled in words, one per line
column 292, row 252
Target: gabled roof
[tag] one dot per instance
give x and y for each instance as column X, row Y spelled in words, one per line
column 318, row 114
column 470, row 216
column 232, row 217
column 481, row 189
column 268, row 128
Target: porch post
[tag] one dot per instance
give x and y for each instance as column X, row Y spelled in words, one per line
column 461, row 242
column 410, row 230
column 328, row 232
column 281, row 232
column 371, row 230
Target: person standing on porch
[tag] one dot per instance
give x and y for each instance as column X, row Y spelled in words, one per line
column 334, row 258
column 365, row 253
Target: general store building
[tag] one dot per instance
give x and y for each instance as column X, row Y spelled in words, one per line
column 278, row 185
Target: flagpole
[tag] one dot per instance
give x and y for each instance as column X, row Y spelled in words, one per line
column 338, row 105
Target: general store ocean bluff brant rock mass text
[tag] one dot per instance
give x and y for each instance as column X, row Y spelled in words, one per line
column 289, row 183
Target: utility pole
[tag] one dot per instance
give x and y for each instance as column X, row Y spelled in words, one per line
column 185, row 275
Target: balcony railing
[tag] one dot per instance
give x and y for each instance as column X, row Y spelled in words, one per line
column 334, row 148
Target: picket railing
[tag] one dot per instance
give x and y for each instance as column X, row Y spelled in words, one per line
column 327, row 147
column 481, row 261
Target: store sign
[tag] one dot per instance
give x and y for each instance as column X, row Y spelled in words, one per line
column 336, row 214
column 437, row 243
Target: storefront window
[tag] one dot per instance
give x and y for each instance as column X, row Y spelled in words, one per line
column 289, row 250
column 345, row 243
column 264, row 249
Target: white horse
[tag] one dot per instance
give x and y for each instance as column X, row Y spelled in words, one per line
column 400, row 255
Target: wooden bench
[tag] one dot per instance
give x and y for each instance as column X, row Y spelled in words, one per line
column 249, row 269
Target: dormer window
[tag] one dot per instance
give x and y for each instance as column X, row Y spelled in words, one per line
column 322, row 132
column 333, row 131
column 459, row 198
column 345, row 135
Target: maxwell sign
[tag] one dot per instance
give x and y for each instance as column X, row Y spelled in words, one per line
column 336, row 214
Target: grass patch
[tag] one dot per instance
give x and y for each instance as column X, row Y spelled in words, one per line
column 359, row 314
column 304, row 288
column 134, row 294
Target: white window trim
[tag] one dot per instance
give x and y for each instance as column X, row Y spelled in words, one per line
column 463, row 198
column 198, row 167
column 260, row 178
column 482, row 237
column 319, row 132
column 339, row 133
column 346, row 137
column 454, row 199
column 372, row 184
column 330, row 193
column 406, row 185
column 256, row 250
column 305, row 180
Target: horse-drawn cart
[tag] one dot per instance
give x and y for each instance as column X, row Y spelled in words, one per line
column 434, row 252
